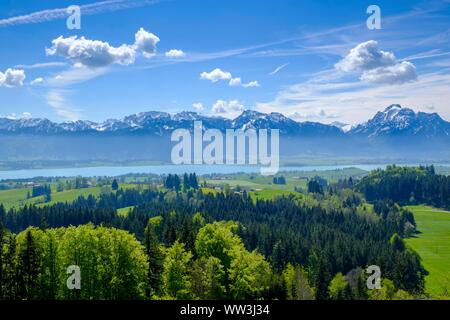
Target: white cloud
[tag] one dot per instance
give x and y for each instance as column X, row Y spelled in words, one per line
column 251, row 84
column 96, row 53
column 146, row 42
column 91, row 53
column 376, row 66
column 229, row 109
column 56, row 100
column 175, row 53
column 12, row 78
column 365, row 56
column 198, row 106
column 235, row 82
column 37, row 81
column 397, row 74
column 215, row 75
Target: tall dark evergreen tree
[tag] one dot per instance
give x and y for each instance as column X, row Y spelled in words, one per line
column 29, row 268
column 115, row 185
column 155, row 260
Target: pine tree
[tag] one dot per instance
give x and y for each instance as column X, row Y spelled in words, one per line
column 10, row 271
column 155, row 260
column 115, row 185
column 29, row 267
column 2, row 235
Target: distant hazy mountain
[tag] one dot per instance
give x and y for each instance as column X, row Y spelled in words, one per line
column 395, row 132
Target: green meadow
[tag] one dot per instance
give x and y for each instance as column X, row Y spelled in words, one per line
column 432, row 244
column 18, row 197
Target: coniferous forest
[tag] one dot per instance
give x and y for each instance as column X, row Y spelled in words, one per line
column 179, row 242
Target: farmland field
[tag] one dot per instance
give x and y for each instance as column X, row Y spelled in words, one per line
column 432, row 244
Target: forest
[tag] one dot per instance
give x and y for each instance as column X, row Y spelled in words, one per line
column 179, row 242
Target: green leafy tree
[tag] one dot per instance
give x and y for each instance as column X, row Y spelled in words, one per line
column 206, row 279
column 175, row 275
column 296, row 283
column 339, row 288
column 250, row 275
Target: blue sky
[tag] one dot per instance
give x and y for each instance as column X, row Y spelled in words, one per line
column 310, row 60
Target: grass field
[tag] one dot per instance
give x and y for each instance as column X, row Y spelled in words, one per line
column 13, row 197
column 433, row 245
column 124, row 211
column 268, row 194
column 18, row 197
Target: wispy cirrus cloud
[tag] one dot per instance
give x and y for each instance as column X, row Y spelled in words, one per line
column 41, row 65
column 56, row 99
column 278, row 69
column 88, row 9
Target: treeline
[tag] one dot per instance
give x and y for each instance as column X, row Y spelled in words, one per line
column 326, row 237
column 174, row 182
column 42, row 190
column 39, row 264
column 34, row 264
column 407, row 185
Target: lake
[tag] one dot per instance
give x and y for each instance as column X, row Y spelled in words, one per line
column 161, row 169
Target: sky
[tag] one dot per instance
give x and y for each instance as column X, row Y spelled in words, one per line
column 310, row 60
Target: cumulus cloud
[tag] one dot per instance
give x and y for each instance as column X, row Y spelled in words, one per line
column 230, row 108
column 215, row 75
column 146, row 42
column 237, row 82
column 198, row 106
column 12, row 78
column 91, row 53
column 37, row 81
column 251, row 84
column 365, row 56
column 396, row 74
column 96, row 53
column 376, row 66
column 175, row 53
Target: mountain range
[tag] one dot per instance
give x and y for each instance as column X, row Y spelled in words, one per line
column 395, row 132
column 393, row 121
